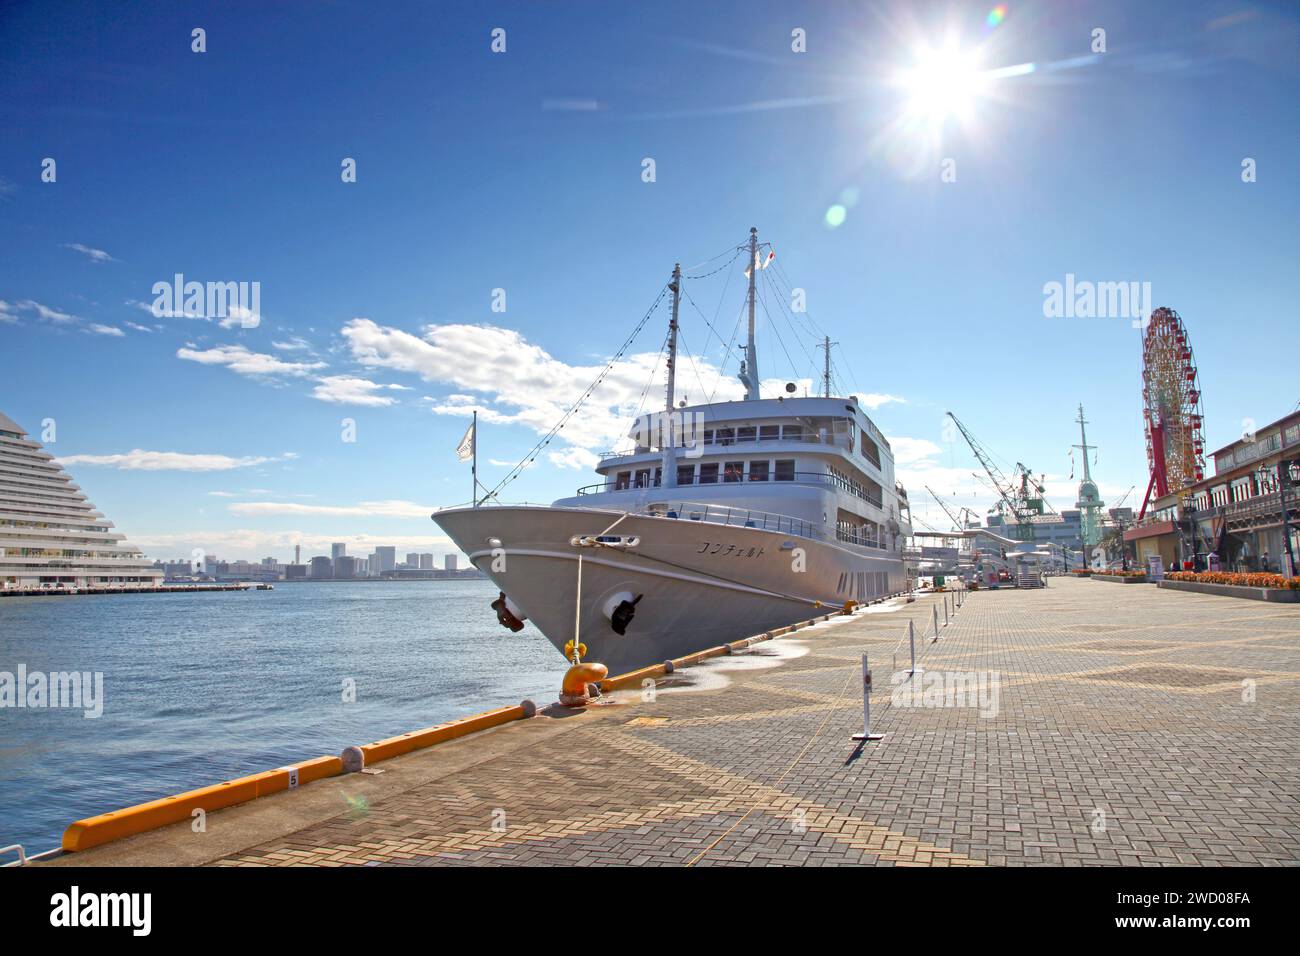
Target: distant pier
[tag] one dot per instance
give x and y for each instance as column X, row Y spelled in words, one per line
column 160, row 589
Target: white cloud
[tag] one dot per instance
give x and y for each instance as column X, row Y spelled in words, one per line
column 363, row 509
column 7, row 313
column 240, row 317
column 873, row 400
column 140, row 460
column 511, row 381
column 912, row 450
column 94, row 255
column 520, row 383
column 293, row 345
column 46, row 313
column 572, row 457
column 139, row 328
column 243, row 362
column 347, row 390
column 104, row 329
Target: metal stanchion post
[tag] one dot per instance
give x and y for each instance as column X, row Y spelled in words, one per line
column 866, row 704
column 911, row 641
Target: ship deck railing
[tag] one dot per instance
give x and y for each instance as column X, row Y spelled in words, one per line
column 740, row 479
column 837, row 440
column 736, row 517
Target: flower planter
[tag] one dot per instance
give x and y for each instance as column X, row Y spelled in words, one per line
column 1123, row 579
column 1281, row 595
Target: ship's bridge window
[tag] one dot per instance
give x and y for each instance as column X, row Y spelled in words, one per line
column 733, row 471
column 769, row 432
column 746, row 433
column 726, row 436
column 793, row 433
column 686, row 474
column 758, row 471
column 709, row 473
column 870, row 450
column 623, row 480
column 785, row 469
column 708, row 436
column 643, row 478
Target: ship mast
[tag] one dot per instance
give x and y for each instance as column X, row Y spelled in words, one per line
column 749, row 368
column 826, row 367
column 667, row 432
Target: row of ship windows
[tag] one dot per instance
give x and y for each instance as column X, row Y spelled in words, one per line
column 710, row 473
column 792, row 433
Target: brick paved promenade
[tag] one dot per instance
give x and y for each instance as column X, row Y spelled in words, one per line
column 1130, row 726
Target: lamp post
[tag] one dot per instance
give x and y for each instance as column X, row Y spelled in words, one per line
column 1284, row 479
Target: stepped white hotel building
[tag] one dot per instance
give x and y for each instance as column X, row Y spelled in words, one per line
column 50, row 535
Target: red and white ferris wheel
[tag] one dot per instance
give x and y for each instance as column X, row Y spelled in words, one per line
column 1171, row 405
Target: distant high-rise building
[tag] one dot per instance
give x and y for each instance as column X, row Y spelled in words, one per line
column 345, row 567
column 426, row 562
column 321, row 567
column 297, row 554
column 337, row 550
column 449, row 562
column 387, row 560
column 412, row 559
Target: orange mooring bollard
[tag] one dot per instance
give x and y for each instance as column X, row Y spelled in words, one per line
column 573, row 690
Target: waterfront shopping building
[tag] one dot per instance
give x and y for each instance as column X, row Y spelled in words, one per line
column 50, row 535
column 1238, row 514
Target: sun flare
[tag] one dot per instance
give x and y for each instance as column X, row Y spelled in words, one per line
column 944, row 82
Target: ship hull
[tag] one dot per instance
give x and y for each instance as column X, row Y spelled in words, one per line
column 697, row 584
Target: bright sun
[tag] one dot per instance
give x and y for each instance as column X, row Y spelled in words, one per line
column 943, row 83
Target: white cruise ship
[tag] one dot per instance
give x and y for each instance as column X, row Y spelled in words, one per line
column 50, row 535
column 722, row 521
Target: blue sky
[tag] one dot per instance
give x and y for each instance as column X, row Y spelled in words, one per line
column 523, row 171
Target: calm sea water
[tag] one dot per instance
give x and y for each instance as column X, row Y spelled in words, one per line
column 199, row 688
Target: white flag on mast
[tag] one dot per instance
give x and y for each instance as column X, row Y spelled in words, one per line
column 465, row 450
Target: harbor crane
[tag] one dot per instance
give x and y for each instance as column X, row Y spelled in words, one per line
column 1023, row 497
column 956, row 519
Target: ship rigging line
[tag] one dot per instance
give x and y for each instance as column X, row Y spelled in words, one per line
column 704, row 275
column 645, row 392
column 722, row 366
column 705, row 351
column 762, row 300
column 545, row 440
column 681, row 339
